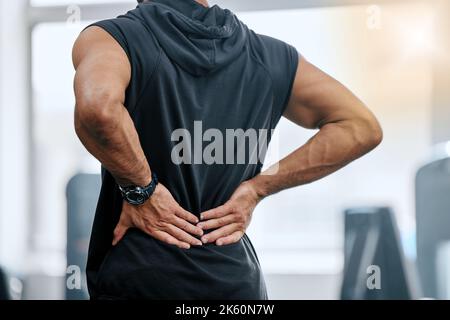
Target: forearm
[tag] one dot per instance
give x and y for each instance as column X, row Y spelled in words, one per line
column 113, row 140
column 332, row 148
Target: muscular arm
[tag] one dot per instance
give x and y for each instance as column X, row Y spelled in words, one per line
column 101, row 121
column 348, row 130
column 107, row 131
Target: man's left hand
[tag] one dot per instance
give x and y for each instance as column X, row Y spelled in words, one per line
column 232, row 219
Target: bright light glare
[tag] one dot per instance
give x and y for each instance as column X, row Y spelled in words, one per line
column 419, row 36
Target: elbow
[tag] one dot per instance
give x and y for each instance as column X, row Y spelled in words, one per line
column 371, row 133
column 95, row 115
column 375, row 134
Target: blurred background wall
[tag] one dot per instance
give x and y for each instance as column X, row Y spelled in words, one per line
column 392, row 54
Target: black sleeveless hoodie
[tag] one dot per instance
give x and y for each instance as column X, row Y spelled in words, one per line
column 190, row 64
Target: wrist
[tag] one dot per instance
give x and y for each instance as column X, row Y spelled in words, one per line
column 145, row 181
column 257, row 187
column 141, row 181
column 158, row 191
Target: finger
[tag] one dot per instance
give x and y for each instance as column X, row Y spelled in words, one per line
column 220, row 233
column 167, row 238
column 186, row 215
column 232, row 238
column 215, row 213
column 186, row 226
column 218, row 222
column 182, row 236
column 119, row 232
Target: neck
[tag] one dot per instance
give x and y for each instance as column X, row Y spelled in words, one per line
column 203, row 2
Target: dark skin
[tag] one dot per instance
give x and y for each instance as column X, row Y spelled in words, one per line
column 348, row 130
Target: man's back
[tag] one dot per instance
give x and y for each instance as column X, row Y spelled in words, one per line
column 204, row 96
column 186, row 93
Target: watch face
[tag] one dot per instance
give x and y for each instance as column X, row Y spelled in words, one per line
column 136, row 197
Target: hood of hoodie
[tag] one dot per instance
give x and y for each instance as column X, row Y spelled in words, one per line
column 199, row 39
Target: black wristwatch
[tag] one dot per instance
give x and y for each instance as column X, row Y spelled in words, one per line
column 136, row 195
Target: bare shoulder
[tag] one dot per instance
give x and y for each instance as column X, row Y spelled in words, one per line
column 100, row 63
column 95, row 40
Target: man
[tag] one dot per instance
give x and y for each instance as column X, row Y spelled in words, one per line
column 172, row 214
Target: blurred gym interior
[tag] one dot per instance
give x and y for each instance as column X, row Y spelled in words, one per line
column 387, row 213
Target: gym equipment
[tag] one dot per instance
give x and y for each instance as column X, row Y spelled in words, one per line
column 374, row 265
column 82, row 194
column 4, row 286
column 432, row 219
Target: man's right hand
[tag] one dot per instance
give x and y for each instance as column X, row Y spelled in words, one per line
column 162, row 218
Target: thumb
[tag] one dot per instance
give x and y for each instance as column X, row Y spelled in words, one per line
column 119, row 232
